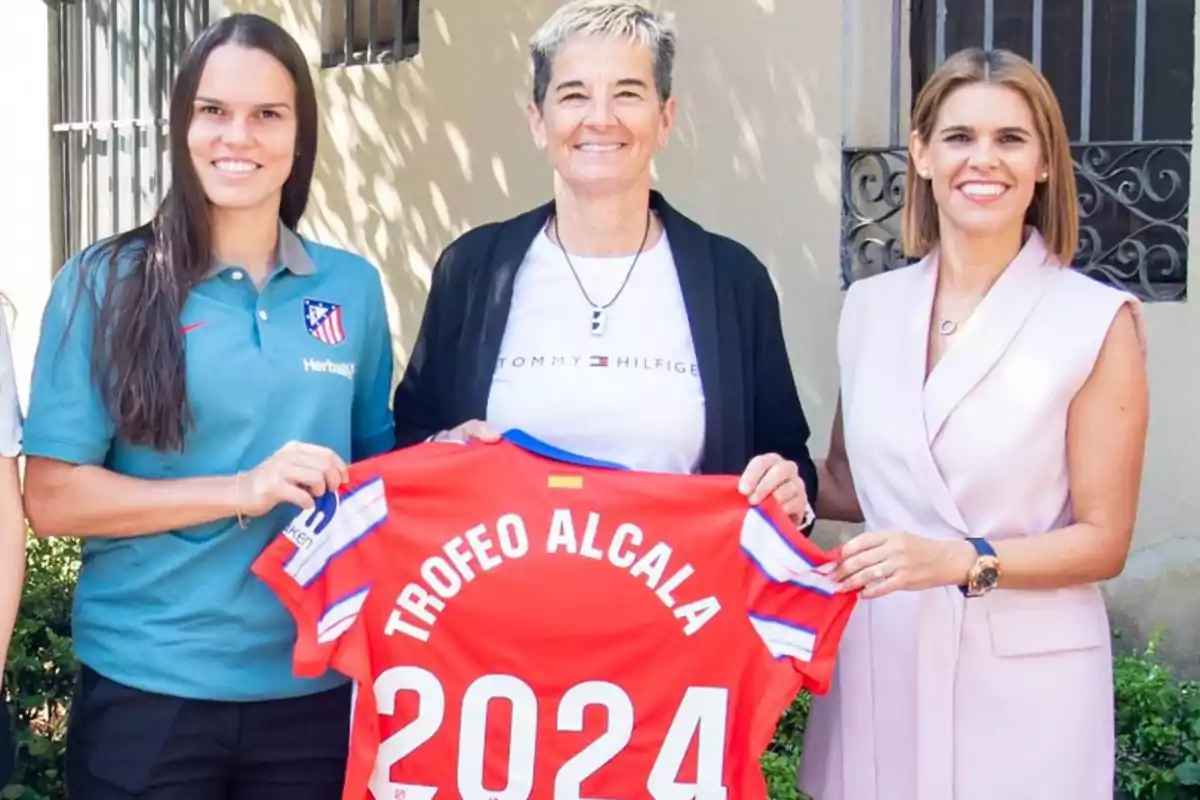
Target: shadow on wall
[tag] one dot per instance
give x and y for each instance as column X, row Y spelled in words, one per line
column 414, row 154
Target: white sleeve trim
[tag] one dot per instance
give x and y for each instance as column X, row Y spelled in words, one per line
column 779, row 559
column 340, row 616
column 322, row 533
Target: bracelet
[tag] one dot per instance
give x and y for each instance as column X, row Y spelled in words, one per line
column 241, row 519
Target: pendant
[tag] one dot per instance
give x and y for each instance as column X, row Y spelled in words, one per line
column 948, row 327
column 599, row 318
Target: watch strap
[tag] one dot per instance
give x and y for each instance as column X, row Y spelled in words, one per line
column 982, row 546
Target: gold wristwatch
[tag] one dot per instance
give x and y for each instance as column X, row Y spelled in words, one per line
column 985, row 572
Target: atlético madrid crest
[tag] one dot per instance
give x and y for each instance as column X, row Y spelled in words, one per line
column 324, row 321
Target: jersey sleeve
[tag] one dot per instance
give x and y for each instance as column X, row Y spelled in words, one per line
column 792, row 602
column 319, row 567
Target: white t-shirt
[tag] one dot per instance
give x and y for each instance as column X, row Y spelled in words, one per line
column 631, row 395
column 10, row 409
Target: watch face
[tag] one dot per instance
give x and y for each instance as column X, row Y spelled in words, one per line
column 988, row 577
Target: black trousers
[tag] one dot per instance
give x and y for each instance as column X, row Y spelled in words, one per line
column 123, row 743
column 7, row 752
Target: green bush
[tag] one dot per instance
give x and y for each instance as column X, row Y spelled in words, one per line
column 783, row 755
column 1158, row 729
column 1158, row 733
column 40, row 674
column 1158, row 716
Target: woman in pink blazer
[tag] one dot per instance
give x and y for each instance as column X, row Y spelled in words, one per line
column 990, row 432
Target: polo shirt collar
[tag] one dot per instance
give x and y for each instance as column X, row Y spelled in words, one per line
column 292, row 256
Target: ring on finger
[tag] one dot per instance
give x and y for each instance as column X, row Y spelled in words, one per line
column 878, row 571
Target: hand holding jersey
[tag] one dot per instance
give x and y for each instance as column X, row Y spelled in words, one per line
column 771, row 475
column 471, row 429
column 296, row 473
column 882, row 562
column 557, row 586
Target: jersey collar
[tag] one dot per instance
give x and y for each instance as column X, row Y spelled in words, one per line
column 534, row 445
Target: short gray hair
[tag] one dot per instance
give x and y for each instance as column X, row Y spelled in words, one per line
column 628, row 19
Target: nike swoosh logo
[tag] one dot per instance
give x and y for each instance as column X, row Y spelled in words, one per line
column 189, row 328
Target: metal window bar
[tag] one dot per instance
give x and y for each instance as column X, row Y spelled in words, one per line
column 1038, row 15
column 159, row 84
column 1085, row 72
column 897, row 20
column 940, row 47
column 359, row 32
column 1139, row 70
column 989, row 24
column 1134, row 195
column 118, row 61
column 114, row 145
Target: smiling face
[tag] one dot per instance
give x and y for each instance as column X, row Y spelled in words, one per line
column 984, row 159
column 602, row 119
column 242, row 136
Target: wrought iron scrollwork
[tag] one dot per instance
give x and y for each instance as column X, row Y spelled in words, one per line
column 1133, row 209
column 873, row 183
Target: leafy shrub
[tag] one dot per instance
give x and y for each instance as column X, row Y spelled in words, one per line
column 783, row 755
column 1158, row 716
column 1158, row 729
column 40, row 674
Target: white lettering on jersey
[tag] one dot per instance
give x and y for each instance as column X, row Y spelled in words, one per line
column 697, row 613
column 444, row 575
column 701, row 717
column 344, row 369
column 562, row 534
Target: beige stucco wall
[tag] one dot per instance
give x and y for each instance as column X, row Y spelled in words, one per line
column 414, row 154
column 1161, row 581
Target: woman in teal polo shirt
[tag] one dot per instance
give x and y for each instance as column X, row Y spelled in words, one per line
column 198, row 380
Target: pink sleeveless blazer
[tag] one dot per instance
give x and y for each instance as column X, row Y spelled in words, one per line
column 937, row 697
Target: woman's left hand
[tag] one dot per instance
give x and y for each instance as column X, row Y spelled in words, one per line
column 882, row 562
column 771, row 475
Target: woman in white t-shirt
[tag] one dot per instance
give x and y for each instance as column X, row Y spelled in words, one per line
column 12, row 520
column 606, row 322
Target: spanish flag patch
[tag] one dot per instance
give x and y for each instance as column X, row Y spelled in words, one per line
column 566, row 481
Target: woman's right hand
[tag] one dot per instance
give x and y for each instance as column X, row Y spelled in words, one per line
column 471, row 429
column 297, row 473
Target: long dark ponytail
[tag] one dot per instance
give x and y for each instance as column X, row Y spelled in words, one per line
column 137, row 350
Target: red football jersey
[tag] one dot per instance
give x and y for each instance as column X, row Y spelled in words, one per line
column 519, row 623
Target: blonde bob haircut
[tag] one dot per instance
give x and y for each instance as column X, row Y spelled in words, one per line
column 1054, row 210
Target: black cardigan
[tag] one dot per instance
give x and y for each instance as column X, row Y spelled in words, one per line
column 751, row 404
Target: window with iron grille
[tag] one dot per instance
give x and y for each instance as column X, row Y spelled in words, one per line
column 116, row 62
column 357, row 32
column 1122, row 71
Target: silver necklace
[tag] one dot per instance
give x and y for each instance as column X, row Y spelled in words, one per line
column 599, row 313
column 948, row 326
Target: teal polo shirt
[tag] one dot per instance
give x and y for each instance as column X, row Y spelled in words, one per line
column 307, row 358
